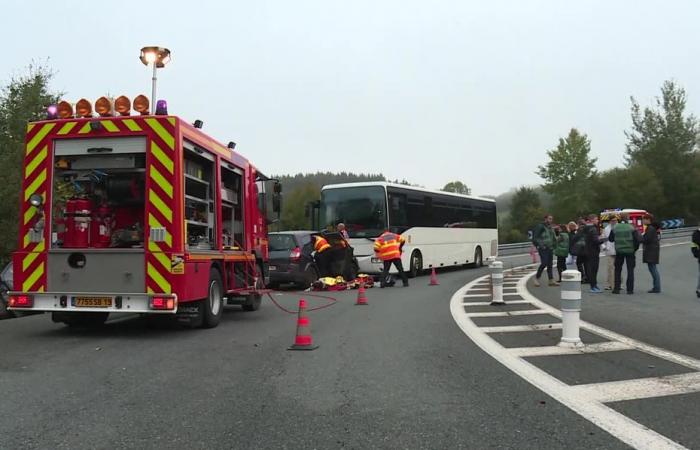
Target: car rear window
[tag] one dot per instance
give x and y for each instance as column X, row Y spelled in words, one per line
column 281, row 242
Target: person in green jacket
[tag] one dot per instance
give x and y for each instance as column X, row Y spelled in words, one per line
column 561, row 251
column 626, row 239
column 544, row 240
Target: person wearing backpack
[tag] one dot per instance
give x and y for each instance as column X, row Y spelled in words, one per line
column 544, row 240
column 626, row 239
column 561, row 251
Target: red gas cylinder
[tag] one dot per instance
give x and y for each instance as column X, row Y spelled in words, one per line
column 101, row 226
column 78, row 211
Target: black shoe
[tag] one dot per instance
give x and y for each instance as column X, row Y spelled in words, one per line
column 405, row 285
column 630, row 292
column 615, row 291
column 653, row 291
column 697, row 293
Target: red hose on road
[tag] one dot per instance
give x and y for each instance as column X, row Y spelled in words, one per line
column 331, row 301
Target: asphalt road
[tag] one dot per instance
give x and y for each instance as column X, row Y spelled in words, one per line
column 398, row 373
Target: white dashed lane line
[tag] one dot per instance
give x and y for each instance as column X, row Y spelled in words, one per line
column 588, row 400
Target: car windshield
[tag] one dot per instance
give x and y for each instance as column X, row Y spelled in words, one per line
column 361, row 209
column 281, row 242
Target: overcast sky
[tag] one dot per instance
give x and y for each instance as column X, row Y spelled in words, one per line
column 430, row 91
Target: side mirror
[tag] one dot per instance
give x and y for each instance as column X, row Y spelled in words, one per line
column 277, row 187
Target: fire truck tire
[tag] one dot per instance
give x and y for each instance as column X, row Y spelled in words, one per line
column 255, row 300
column 213, row 305
column 86, row 319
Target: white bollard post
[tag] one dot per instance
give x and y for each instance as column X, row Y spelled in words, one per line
column 497, row 283
column 570, row 308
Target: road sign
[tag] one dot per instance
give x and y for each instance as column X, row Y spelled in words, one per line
column 671, row 223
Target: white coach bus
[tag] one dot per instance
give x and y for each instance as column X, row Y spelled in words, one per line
column 441, row 229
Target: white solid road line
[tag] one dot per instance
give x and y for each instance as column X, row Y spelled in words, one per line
column 617, row 424
column 673, row 357
column 512, row 302
column 527, row 312
column 616, row 391
column 476, row 295
column 524, row 352
column 519, row 328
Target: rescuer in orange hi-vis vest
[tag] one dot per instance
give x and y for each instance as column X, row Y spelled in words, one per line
column 321, row 255
column 388, row 247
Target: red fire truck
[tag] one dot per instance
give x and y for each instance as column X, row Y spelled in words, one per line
column 137, row 213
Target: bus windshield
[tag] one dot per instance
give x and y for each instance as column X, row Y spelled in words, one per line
column 361, row 209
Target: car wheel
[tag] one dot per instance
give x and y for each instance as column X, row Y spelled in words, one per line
column 213, row 305
column 255, row 300
column 416, row 264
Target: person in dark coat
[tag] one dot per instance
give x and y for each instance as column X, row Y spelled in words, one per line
column 650, row 254
column 592, row 251
column 578, row 249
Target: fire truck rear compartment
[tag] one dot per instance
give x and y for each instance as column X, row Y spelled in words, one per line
column 98, row 193
column 96, row 270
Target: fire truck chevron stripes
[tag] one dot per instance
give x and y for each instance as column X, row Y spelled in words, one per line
column 167, row 138
column 29, row 259
column 132, row 125
column 109, row 126
column 66, row 128
column 164, row 184
column 31, row 280
column 159, row 279
column 38, row 159
column 160, row 208
column 36, row 184
column 162, row 157
column 38, row 137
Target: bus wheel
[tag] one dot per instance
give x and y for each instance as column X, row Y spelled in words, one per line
column 213, row 305
column 254, row 300
column 478, row 258
column 416, row 264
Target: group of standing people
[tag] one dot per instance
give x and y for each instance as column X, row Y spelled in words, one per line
column 581, row 243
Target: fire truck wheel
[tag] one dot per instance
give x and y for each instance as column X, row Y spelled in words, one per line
column 85, row 319
column 213, row 305
column 254, row 300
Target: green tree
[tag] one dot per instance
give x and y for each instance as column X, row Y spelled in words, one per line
column 664, row 138
column 457, row 187
column 22, row 100
column 294, row 207
column 629, row 187
column 568, row 176
column 525, row 212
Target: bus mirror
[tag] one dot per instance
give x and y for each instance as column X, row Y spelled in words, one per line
column 277, row 203
column 277, row 187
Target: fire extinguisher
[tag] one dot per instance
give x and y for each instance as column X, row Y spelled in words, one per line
column 78, row 212
column 102, row 224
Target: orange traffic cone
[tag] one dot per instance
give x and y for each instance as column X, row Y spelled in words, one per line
column 433, row 278
column 361, row 297
column 303, row 340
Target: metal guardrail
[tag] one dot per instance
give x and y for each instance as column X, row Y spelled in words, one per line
column 522, row 248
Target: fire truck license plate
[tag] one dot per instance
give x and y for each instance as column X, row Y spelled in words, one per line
column 92, row 302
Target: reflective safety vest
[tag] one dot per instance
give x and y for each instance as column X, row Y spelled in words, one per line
column 624, row 239
column 388, row 246
column 321, row 244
